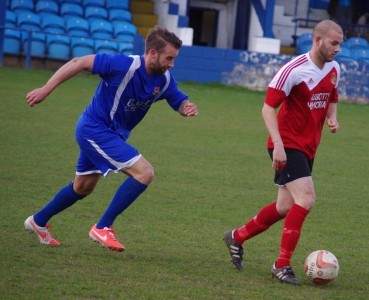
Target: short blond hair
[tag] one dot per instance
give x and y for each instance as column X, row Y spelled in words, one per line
column 322, row 28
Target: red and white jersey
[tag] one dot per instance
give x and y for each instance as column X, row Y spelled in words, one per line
column 305, row 92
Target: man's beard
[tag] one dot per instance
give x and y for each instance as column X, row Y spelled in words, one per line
column 159, row 70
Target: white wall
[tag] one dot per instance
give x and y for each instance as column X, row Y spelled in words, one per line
column 169, row 21
column 226, row 19
column 255, row 29
column 256, row 40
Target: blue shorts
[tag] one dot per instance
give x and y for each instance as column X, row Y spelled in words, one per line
column 102, row 150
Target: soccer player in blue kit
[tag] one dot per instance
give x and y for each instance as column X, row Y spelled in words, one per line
column 129, row 86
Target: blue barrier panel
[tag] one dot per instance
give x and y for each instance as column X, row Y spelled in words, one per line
column 2, row 24
column 194, row 51
column 215, row 53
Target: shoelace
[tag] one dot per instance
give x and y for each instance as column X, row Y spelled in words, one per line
column 111, row 233
column 288, row 271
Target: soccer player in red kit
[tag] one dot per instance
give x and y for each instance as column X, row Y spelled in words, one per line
column 306, row 90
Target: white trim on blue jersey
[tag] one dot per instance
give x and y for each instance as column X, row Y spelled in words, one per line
column 117, row 164
column 167, row 76
column 134, row 66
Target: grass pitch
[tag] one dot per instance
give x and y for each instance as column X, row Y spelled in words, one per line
column 212, row 174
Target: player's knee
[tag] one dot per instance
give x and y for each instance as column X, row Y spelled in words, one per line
column 83, row 189
column 283, row 208
column 146, row 176
column 308, row 201
column 85, row 184
column 142, row 171
column 311, row 203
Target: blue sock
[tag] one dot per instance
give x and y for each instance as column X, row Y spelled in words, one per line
column 129, row 190
column 63, row 199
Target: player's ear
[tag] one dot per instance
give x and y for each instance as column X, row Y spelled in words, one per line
column 153, row 53
column 318, row 40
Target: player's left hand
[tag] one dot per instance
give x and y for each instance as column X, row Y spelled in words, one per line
column 333, row 125
column 188, row 109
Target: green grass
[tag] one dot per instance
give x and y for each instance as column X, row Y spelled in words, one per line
column 212, row 174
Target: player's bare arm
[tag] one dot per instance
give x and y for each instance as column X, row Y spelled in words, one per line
column 188, row 109
column 271, row 123
column 332, row 118
column 67, row 71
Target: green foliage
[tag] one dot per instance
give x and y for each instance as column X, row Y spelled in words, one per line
column 212, row 174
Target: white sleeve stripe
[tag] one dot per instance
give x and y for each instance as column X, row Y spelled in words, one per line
column 134, row 66
column 286, row 72
column 167, row 76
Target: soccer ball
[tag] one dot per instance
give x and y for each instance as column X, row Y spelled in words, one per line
column 321, row 267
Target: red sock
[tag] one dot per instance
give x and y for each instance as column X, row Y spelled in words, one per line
column 266, row 217
column 291, row 234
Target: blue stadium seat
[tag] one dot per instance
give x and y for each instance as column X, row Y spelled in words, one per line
column 71, row 1
column 119, row 15
column 77, row 26
column 101, row 29
column 53, row 24
column 81, row 46
column 121, row 4
column 303, row 42
column 21, row 6
column 125, row 48
column 305, row 48
column 58, row 46
column 357, row 43
column 350, row 66
column 68, row 10
column 56, row 1
column 125, row 32
column 361, row 55
column 87, row 3
column 29, row 20
column 12, row 41
column 94, row 13
column 10, row 19
column 346, row 61
column 47, row 7
column 106, row 46
column 38, row 44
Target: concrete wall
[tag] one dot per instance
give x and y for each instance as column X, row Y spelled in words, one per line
column 255, row 70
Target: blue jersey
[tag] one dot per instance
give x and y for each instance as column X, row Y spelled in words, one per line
column 126, row 92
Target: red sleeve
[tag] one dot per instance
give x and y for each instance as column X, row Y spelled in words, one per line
column 334, row 96
column 274, row 97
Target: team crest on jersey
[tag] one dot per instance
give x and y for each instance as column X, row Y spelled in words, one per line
column 334, row 78
column 156, row 91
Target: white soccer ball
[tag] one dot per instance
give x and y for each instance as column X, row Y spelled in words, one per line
column 321, row 267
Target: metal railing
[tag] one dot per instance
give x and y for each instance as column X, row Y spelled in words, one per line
column 349, row 29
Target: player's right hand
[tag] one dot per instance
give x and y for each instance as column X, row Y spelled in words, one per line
column 279, row 157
